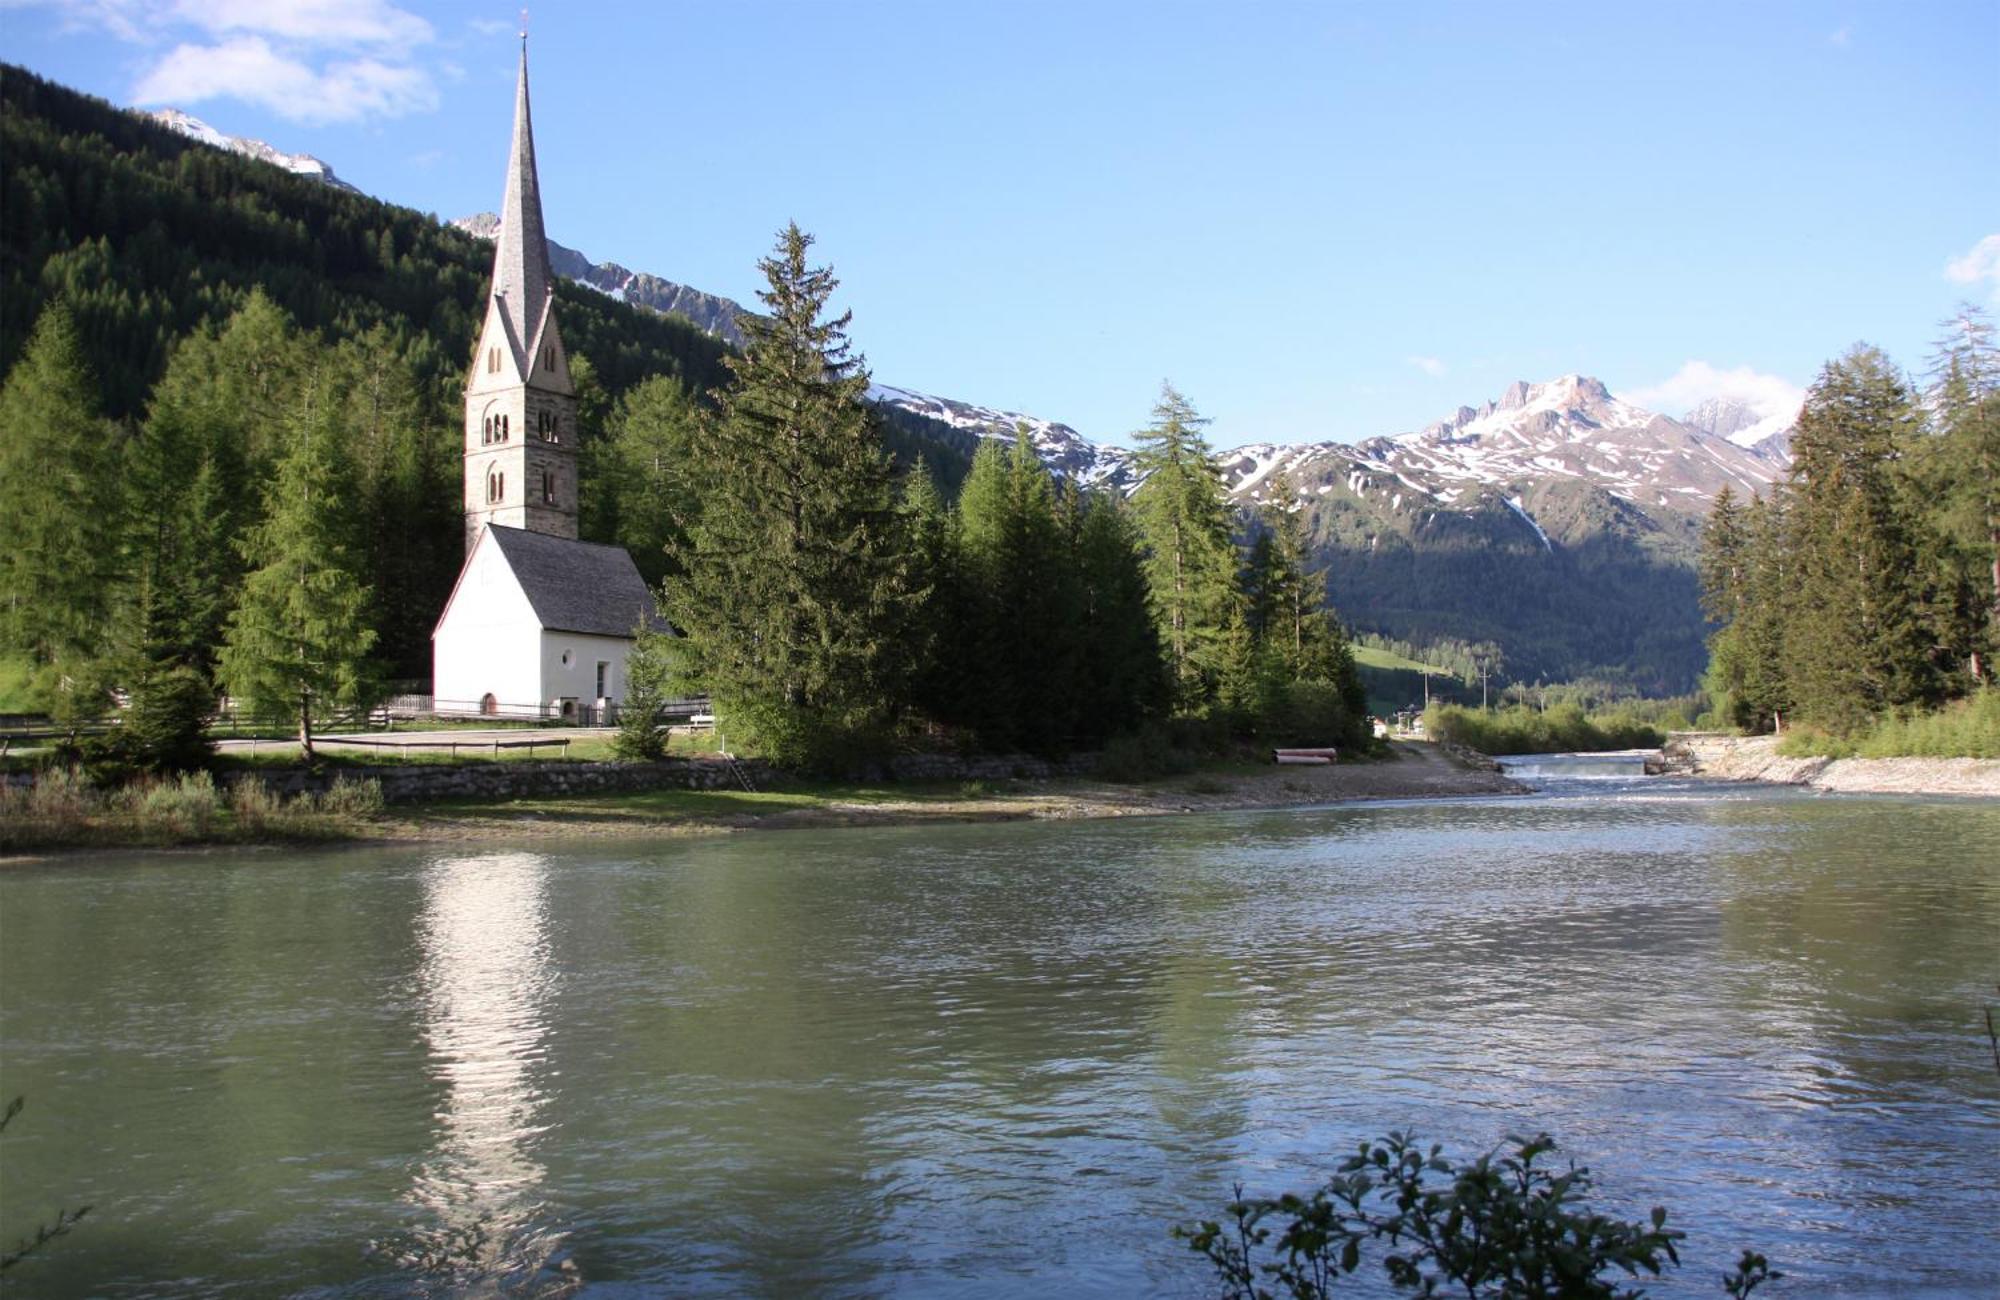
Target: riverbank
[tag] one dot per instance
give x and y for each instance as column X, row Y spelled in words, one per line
column 1756, row 758
column 1415, row 771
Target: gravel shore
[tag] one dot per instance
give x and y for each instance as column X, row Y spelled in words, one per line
column 1418, row 771
column 1756, row 758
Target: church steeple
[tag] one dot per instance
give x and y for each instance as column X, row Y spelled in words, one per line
column 521, row 280
column 520, row 406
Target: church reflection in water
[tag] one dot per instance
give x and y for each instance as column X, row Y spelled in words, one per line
column 484, row 985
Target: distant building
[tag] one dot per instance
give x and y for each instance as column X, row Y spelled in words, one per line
column 539, row 624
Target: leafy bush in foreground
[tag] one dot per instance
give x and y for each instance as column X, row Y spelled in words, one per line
column 1500, row 1227
column 1525, row 731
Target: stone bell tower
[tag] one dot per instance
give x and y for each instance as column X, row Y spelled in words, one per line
column 520, row 406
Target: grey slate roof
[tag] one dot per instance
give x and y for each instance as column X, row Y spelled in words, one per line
column 578, row 586
column 521, row 279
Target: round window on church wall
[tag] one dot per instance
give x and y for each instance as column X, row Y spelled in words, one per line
column 565, row 658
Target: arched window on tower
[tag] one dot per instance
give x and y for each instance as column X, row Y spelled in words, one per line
column 503, row 428
column 548, row 488
column 486, row 431
column 496, row 487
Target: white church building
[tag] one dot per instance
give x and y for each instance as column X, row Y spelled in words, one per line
column 539, row 624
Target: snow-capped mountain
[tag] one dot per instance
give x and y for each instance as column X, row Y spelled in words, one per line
column 299, row 164
column 1571, row 428
column 713, row 314
column 1061, row 448
column 1738, row 421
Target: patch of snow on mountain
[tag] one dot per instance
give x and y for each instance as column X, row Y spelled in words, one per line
column 1514, row 504
column 299, row 164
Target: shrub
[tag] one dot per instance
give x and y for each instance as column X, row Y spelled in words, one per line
column 1969, row 728
column 351, row 797
column 1501, row 1226
column 1525, row 731
column 1143, row 755
column 186, row 806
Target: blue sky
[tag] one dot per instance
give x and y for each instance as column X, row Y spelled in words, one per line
column 1319, row 220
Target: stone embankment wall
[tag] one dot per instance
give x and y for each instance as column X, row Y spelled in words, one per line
column 1756, row 758
column 529, row 779
column 537, row 779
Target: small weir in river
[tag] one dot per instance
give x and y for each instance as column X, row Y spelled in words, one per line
column 1623, row 764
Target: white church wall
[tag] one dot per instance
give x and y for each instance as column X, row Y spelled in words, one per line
column 569, row 666
column 488, row 642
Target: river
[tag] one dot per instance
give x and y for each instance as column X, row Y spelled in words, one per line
column 992, row 1060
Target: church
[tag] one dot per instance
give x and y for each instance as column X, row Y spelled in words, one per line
column 539, row 624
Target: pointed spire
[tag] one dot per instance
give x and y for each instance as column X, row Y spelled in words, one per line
column 521, row 279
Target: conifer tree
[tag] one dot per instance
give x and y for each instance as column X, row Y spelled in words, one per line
column 1856, row 642
column 407, row 466
column 1119, row 673
column 59, row 478
column 197, row 471
column 1722, row 559
column 941, row 635
column 1959, row 479
column 641, row 492
column 795, row 588
column 299, row 638
column 1018, row 564
column 1183, row 515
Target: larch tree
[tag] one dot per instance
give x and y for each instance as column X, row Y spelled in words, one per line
column 60, row 464
column 795, row 585
column 298, row 641
column 1958, row 477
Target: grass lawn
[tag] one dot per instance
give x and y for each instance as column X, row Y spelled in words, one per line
column 1369, row 657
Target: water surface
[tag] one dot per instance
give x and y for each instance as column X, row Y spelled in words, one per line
column 1000, row 1060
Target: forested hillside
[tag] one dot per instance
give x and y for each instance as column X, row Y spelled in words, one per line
column 258, row 280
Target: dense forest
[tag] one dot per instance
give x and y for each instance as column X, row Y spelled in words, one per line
column 235, row 392
column 1867, row 585
column 183, row 268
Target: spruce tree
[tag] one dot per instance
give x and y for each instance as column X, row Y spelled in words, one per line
column 60, row 467
column 407, row 467
column 1119, row 674
column 1856, row 641
column 1183, row 515
column 1018, row 565
column 795, row 590
column 298, row 640
column 942, row 633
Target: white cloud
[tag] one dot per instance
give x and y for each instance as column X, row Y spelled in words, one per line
column 340, row 23
column 489, row 26
column 1431, row 366
column 1841, row 36
column 1980, row 265
column 249, row 68
column 308, row 61
column 1770, row 396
